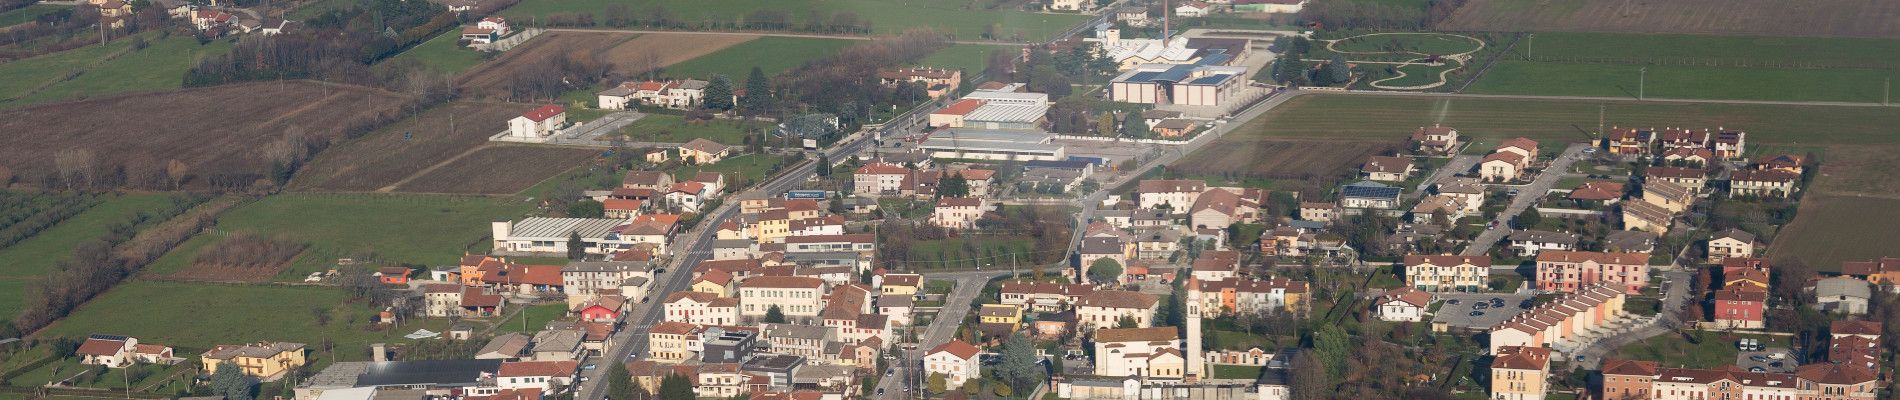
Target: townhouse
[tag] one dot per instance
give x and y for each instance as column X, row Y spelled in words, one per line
column 1447, row 273
column 1568, row 317
column 1568, row 271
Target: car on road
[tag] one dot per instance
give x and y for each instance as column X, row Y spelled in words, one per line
column 1452, row 301
column 1589, row 150
column 880, row 391
column 590, row 367
column 890, row 371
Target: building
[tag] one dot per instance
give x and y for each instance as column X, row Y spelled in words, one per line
column 1237, row 295
column 702, row 151
column 601, row 236
column 1435, row 139
column 795, row 296
column 669, row 341
column 1182, row 84
column 1646, row 380
column 1882, row 272
column 1322, row 212
column 265, row 361
column 1431, row 208
column 1502, row 166
column 1563, row 319
column 1169, row 194
column 1043, row 297
column 1387, row 169
column 700, row 308
column 680, row 94
column 1670, row 196
column 993, row 145
column 1695, row 179
column 1568, row 271
column 958, row 212
column 1763, row 183
column 1193, row 8
column 1731, row 243
column 114, row 351
column 1627, row 379
column 1219, row 207
column 1646, row 216
column 1106, row 308
column 951, row 116
column 955, row 360
column 540, row 377
column 1000, row 314
column 1520, row 373
column 1527, row 242
column 538, row 123
column 1842, row 294
column 1447, row 273
column 1369, row 195
column 1140, row 352
column 936, row 81
column 1402, row 304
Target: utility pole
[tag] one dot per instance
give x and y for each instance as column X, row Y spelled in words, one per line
column 1642, row 77
column 1886, row 91
column 1530, row 48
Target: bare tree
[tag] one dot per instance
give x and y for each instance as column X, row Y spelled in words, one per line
column 75, row 166
column 175, row 172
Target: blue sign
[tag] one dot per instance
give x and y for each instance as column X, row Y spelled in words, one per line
column 805, row 194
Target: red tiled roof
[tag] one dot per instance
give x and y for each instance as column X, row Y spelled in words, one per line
column 1852, row 327
column 1448, row 260
column 620, row 204
column 1598, row 257
column 958, row 348
column 545, row 112
column 961, row 107
column 1597, row 190
column 786, row 282
column 100, row 347
column 1520, row 357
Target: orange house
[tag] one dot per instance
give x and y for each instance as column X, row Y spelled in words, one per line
column 472, row 266
column 394, row 275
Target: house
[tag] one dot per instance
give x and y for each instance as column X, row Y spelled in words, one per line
column 1000, row 314
column 1627, row 379
column 1165, row 193
column 479, row 35
column 1731, row 243
column 1688, row 156
column 1140, row 352
column 650, row 180
column 1564, row 318
column 1695, row 179
column 1793, row 163
column 1528, row 242
column 686, row 196
column 1435, row 139
column 509, row 346
column 496, row 23
column 538, row 123
column 955, row 360
column 1842, row 294
column 557, row 345
column 879, row 178
column 1103, row 247
column 1225, row 297
column 1502, row 167
column 1043, row 297
column 1133, row 16
column 1369, row 195
column 1740, row 307
column 936, row 81
column 1322, row 212
column 1670, row 196
column 542, row 377
column 898, row 284
column 1520, row 145
column 1729, row 145
column 265, row 361
column 604, row 309
column 1646, row 216
column 1429, row 209
column 1629, row 241
column 1071, row 5
column 958, row 212
column 700, row 151
column 794, row 296
column 1597, row 192
column 1154, row 117
column 1468, row 191
column 1569, row 271
column 668, row 341
column 1192, row 9
column 1218, row 208
column 700, row 308
column 1387, row 169
column 1763, row 183
column 1882, row 272
column 393, row 275
column 451, row 300
column 1447, row 273
column 107, row 350
column 1172, row 127
column 1402, row 304
column 1520, row 373
column 206, row 19
column 1106, row 308
column 680, row 94
column 978, row 180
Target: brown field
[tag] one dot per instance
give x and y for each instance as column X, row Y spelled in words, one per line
column 1848, row 211
column 1239, row 157
column 498, row 170
column 214, row 130
column 1857, row 18
column 383, row 158
column 630, row 54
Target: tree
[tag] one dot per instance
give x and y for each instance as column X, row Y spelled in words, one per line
column 1104, row 124
column 676, row 387
column 824, row 164
column 938, row 383
column 718, row 93
column 1018, row 367
column 586, row 208
column 758, row 93
column 619, row 382
column 954, row 186
column 230, row 383
column 1104, row 270
column 1135, row 127
column 1529, row 218
column 576, row 249
column 1336, row 71
column 1127, row 321
column 774, row 315
column 1309, row 378
column 1333, row 345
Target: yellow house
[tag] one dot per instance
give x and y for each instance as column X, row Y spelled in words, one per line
column 1008, row 314
column 1518, row 373
column 715, row 282
column 264, row 361
column 900, row 284
column 702, row 151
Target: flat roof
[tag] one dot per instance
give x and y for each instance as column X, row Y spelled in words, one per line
column 985, row 135
column 540, row 227
column 945, row 144
column 427, row 372
column 1006, row 113
column 994, row 95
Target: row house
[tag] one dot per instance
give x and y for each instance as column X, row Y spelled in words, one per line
column 1648, row 217
column 1720, row 143
column 675, row 94
column 1569, row 271
column 1044, row 297
column 1447, row 273
column 1567, row 317
column 1624, row 379
column 1219, row 207
column 882, row 179
column 1763, row 183
column 1670, row 196
column 1693, row 157
column 1248, row 296
column 1694, row 179
column 795, row 339
column 701, row 308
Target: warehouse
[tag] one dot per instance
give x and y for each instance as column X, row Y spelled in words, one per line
column 993, row 145
column 1193, row 85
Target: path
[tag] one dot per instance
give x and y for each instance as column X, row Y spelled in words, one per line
column 1675, row 296
column 955, row 307
column 1527, row 195
column 1459, row 163
column 765, row 33
column 1460, row 58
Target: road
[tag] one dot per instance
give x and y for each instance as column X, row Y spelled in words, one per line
column 1603, row 98
column 1527, row 195
column 941, row 329
column 1460, row 163
column 776, row 34
column 1675, row 296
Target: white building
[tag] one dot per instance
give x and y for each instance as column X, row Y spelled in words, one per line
column 795, row 296
column 955, row 360
column 1177, row 194
column 957, row 212
column 701, row 308
column 993, row 145
column 1402, row 304
column 602, row 236
column 538, row 123
column 1184, row 84
column 1139, row 352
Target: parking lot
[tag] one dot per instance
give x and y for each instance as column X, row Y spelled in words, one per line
column 1773, row 359
column 1476, row 310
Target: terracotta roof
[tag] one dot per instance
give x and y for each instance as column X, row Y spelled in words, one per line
column 972, row 174
column 1667, row 189
column 1526, row 144
column 1617, row 366
column 1520, row 357
column 903, row 279
column 882, row 169
column 1448, row 260
column 1852, row 327
column 696, row 297
column 620, row 204
column 673, row 328
column 545, row 112
column 957, row 348
column 1835, row 374
column 1408, row 295
column 1171, row 186
column 97, row 346
column 1742, row 294
column 537, row 368
column 1118, row 299
column 1863, row 268
column 1597, row 190
column 1387, row 164
column 1512, row 158
column 1598, row 257
column 1771, row 175
column 1675, row 172
column 476, row 297
column 849, row 237
column 961, row 107
column 786, row 282
column 645, row 178
column 1155, row 334
column 970, row 202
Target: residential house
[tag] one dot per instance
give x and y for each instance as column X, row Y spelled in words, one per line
column 1502, row 166
column 1435, row 139
column 1562, row 319
column 1793, row 163
column 1193, row 8
column 699, row 308
column 1520, row 145
column 1237, row 295
column 1569, row 271
column 1520, row 373
column 1731, row 243
column 1670, row 196
column 558, row 344
column 1763, row 183
column 957, row 212
column 1447, row 273
column 795, row 296
column 265, row 361
column 898, row 284
column 1647, row 216
column 700, row 151
column 1043, row 297
column 451, row 300
column 936, row 81
column 687, row 196
column 107, row 350
column 1627, row 241
column 1468, row 191
column 879, row 179
column 955, row 360
column 1106, row 308
column 1728, row 145
column 1429, row 209
column 621, row 208
column 669, row 341
column 1740, row 307
column 1322, row 212
column 1103, row 247
column 1597, row 192
column 1695, row 179
column 1627, row 379
column 896, row 307
column 538, row 123
column 539, row 377
column 1174, row 194
column 1829, row 381
column 1842, row 294
column 1147, row 353
column 1387, row 169
column 508, row 346
column 1882, row 272
column 650, row 180
column 1402, row 304
column 1369, row 195
column 1071, row 5
column 1528, row 242
column 497, row 23
column 1217, row 208
column 1688, row 156
column 1629, row 141
column 1000, row 314
column 583, row 279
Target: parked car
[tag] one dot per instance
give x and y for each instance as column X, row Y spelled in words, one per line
column 1477, row 313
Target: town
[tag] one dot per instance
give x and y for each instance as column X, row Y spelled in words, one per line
column 1062, row 199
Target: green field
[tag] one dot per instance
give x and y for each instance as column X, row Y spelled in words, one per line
column 970, row 252
column 1421, row 43
column 28, row 13
column 13, row 295
column 964, row 20
column 1382, row 118
column 1696, row 66
column 35, row 256
column 441, row 55
column 738, row 169
column 192, row 317
column 1236, row 371
column 425, row 229
column 537, row 317
column 1714, row 350
column 312, row 9
column 971, row 58
column 671, row 128
column 771, row 54
column 26, row 75
column 160, row 66
column 113, row 379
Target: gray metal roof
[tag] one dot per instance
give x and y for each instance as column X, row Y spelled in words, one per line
column 1006, row 113
column 942, row 144
column 560, row 228
column 427, row 372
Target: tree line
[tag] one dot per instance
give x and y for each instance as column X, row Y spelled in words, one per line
column 94, row 266
column 660, row 17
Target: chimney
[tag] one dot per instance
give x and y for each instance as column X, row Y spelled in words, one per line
column 378, row 352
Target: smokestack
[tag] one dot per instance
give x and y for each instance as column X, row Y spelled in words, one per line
column 1167, row 17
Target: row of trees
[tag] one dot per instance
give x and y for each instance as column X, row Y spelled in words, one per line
column 620, row 16
column 93, row 267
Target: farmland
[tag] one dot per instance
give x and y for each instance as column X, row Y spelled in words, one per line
column 424, row 229
column 440, row 55
column 1702, row 67
column 1380, row 118
column 740, row 170
column 115, row 68
column 771, row 54
column 1252, row 157
column 498, row 170
column 629, row 54
column 1831, row 229
column 1719, row 17
column 36, row 255
column 28, row 13
column 962, row 19
column 407, row 147
column 670, row 128
column 193, row 126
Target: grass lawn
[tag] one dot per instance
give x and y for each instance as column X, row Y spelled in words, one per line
column 13, row 295
column 1352, row 117
column 971, row 58
column 23, row 14
column 35, row 256
column 671, row 128
column 114, row 378
column 970, row 252
column 1696, row 66
column 425, row 229
column 440, row 54
column 939, row 286
column 160, row 66
column 1236, row 371
column 1423, row 43
column 537, row 317
column 738, row 170
column 23, row 76
column 192, row 317
column 772, row 55
column 1236, row 340
column 1714, row 350
column 962, row 19
column 311, row 10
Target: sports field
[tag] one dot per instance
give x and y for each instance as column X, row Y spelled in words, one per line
column 771, row 54
column 1696, row 67
column 963, row 19
column 390, row 228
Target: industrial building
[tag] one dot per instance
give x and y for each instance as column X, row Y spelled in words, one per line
column 993, row 145
column 1184, row 84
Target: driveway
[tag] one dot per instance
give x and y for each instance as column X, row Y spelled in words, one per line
column 1457, row 165
column 1527, row 195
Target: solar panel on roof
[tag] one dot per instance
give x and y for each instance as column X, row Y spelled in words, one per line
column 1369, row 191
column 1144, row 76
column 1209, row 80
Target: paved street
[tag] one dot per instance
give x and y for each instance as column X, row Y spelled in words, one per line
column 1457, row 165
column 941, row 329
column 1526, row 196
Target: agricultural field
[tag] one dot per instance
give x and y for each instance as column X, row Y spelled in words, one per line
column 23, row 14
column 498, row 170
column 407, row 147
column 1381, row 118
column 772, row 54
column 194, row 126
column 669, row 128
column 629, row 54
column 1252, row 157
column 971, row 58
column 1699, row 67
column 159, row 66
column 440, row 54
column 35, row 256
column 1829, row 229
column 422, row 229
column 1853, row 18
column 174, row 313
column 961, row 19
